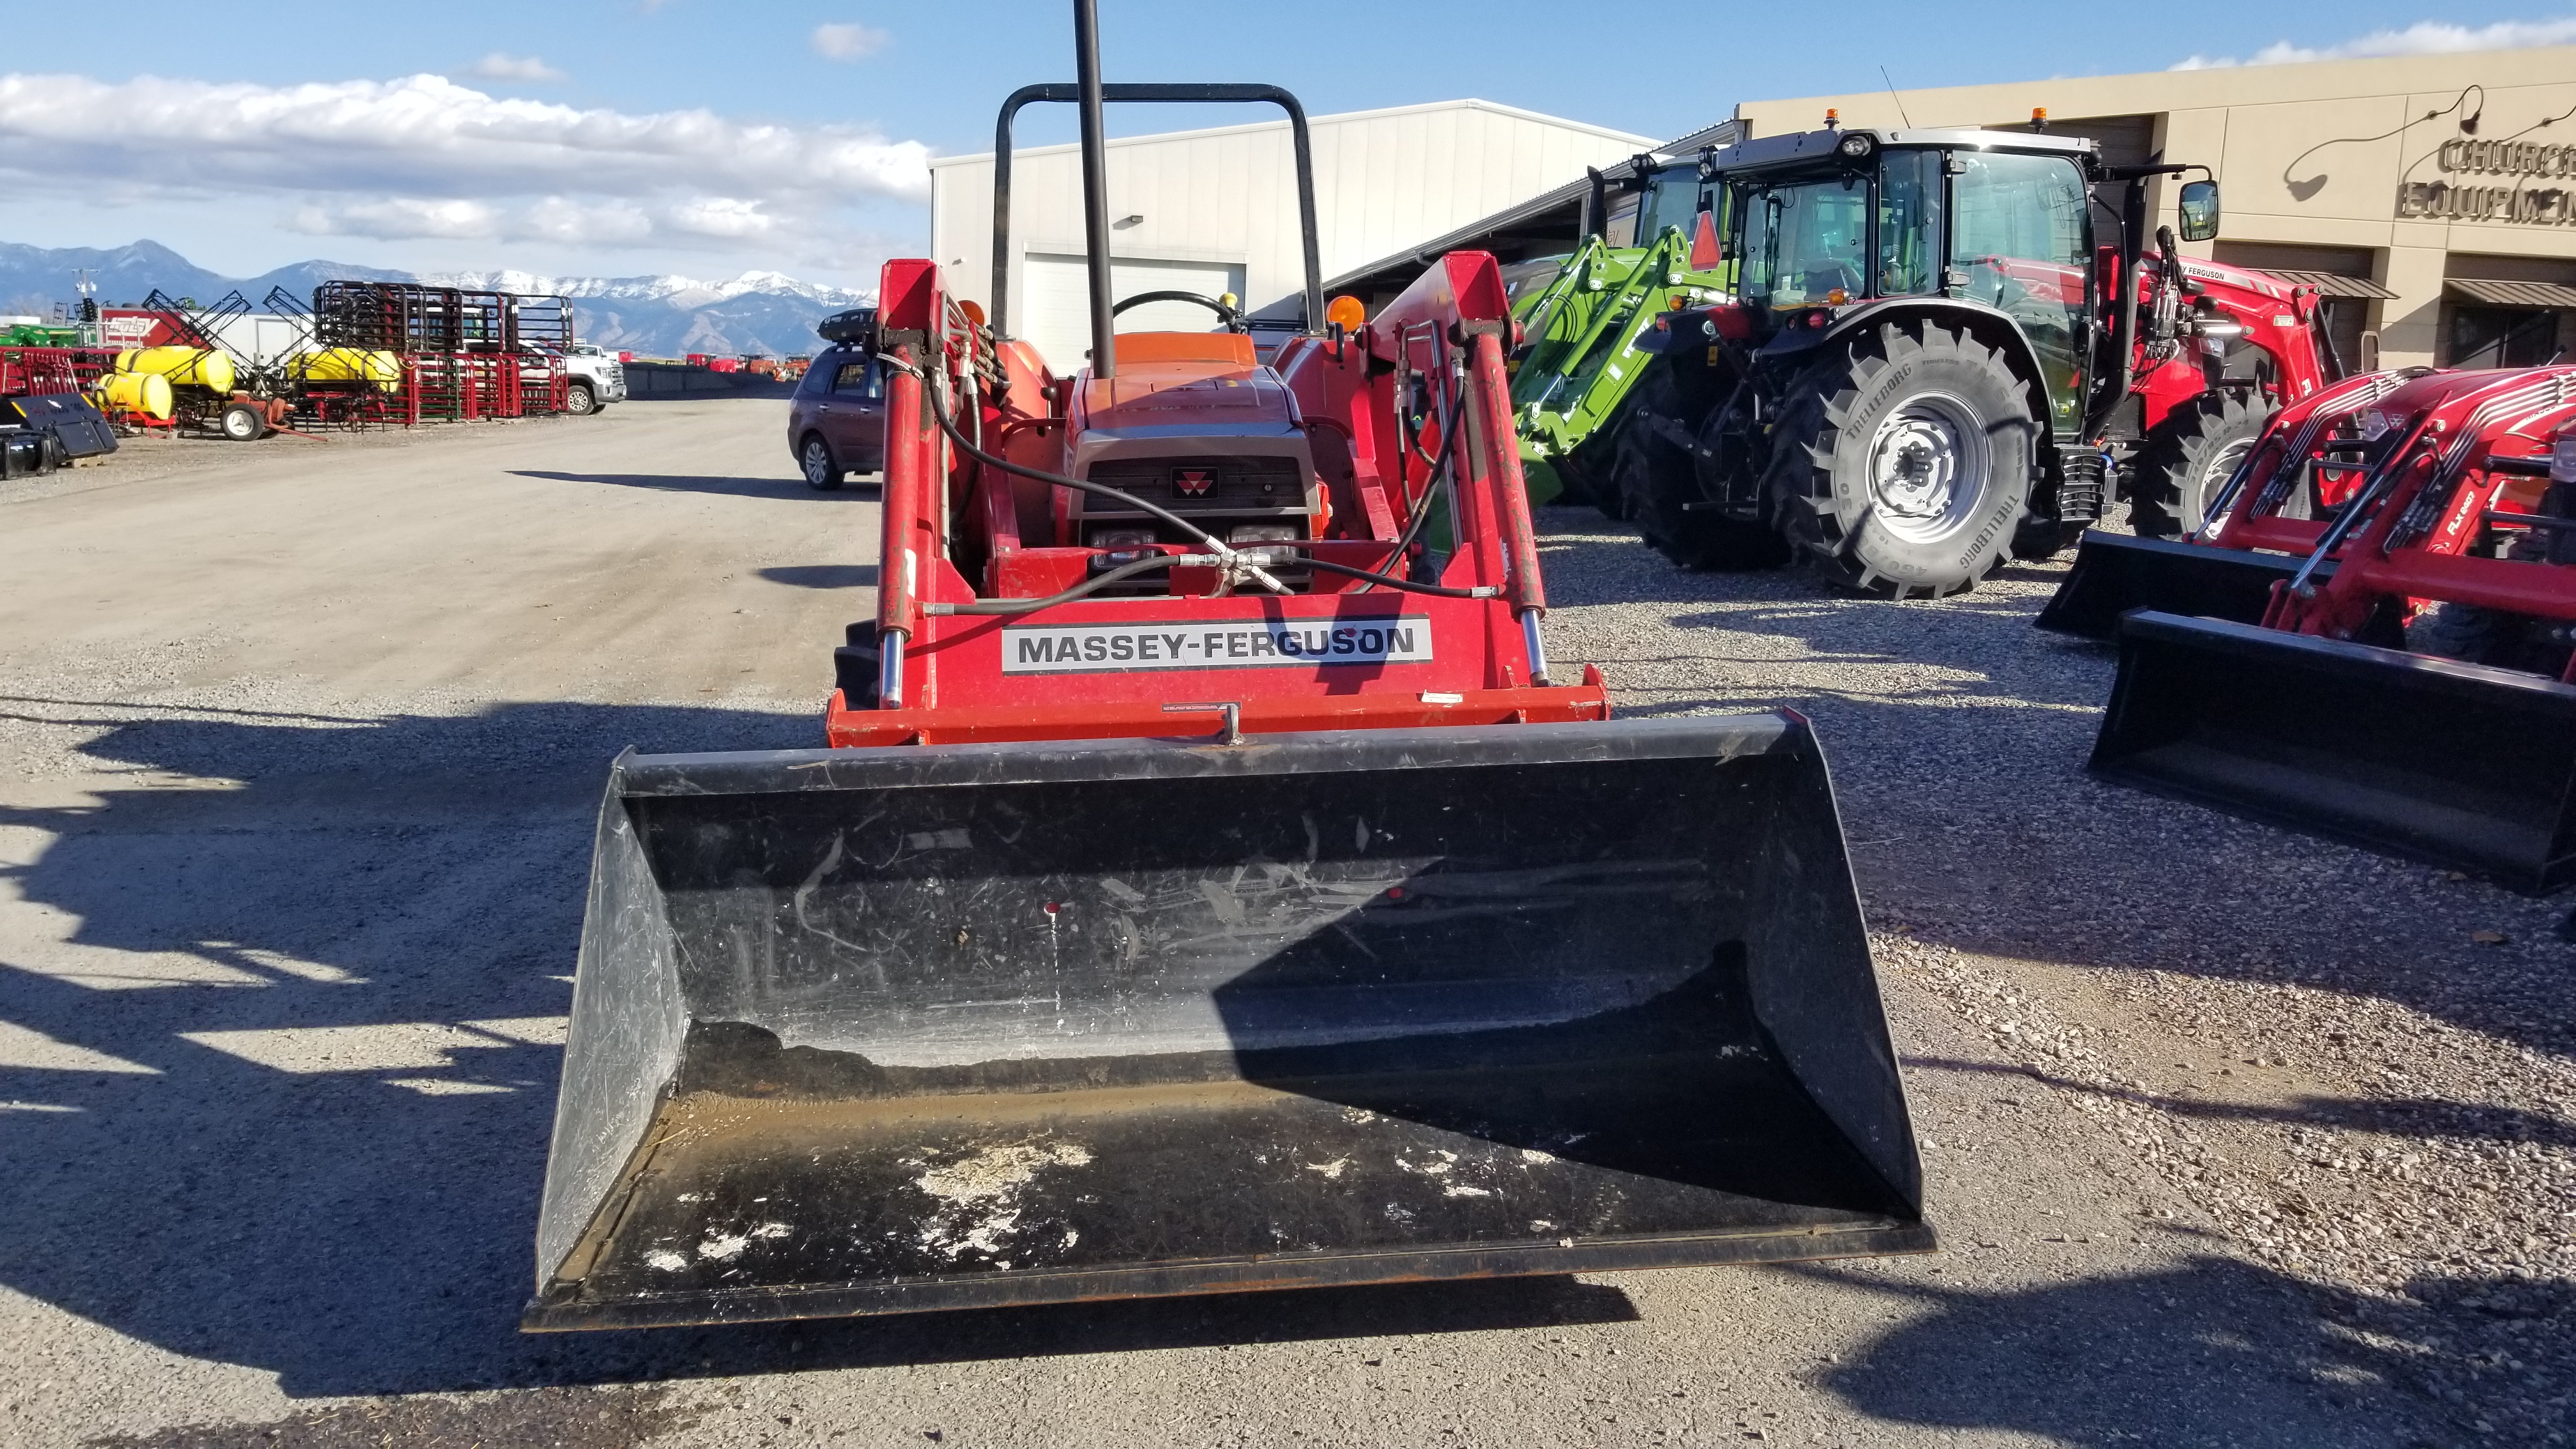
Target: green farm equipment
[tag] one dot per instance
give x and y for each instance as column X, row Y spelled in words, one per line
column 1579, row 355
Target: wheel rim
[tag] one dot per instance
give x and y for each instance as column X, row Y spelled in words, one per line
column 2222, row 466
column 1928, row 466
column 818, row 462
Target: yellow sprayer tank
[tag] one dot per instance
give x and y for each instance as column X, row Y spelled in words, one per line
column 383, row 370
column 147, row 393
column 183, row 366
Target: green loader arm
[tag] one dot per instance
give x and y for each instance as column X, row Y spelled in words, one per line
column 1582, row 355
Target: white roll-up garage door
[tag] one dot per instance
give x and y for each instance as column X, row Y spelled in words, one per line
column 1057, row 313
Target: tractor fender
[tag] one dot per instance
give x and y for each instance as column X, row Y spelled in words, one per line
column 1793, row 348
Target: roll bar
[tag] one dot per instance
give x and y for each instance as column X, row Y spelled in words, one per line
column 1129, row 91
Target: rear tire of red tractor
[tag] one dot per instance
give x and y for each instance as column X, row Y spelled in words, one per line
column 2189, row 456
column 1904, row 467
column 1654, row 482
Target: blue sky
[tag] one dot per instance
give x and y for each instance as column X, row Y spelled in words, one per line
column 623, row 136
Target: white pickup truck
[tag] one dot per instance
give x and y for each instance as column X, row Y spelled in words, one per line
column 594, row 379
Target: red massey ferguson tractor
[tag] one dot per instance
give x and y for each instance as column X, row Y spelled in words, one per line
column 1209, row 886
column 1933, row 360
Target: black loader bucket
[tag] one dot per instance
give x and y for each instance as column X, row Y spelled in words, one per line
column 2457, row 764
column 2117, row 572
column 870, row 1031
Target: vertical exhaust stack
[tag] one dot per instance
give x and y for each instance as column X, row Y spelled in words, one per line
column 873, row 1031
column 1095, row 188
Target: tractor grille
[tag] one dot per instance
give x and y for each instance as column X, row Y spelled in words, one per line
column 1196, row 485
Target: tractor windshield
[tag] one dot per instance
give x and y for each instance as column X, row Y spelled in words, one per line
column 1806, row 241
column 1674, row 201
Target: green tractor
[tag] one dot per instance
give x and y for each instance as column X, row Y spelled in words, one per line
column 1578, row 356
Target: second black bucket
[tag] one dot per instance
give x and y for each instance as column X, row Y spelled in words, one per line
column 2458, row 764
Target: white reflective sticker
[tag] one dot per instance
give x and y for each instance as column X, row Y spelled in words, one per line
column 1217, row 644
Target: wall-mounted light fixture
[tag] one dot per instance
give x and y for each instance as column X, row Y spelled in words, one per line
column 1124, row 222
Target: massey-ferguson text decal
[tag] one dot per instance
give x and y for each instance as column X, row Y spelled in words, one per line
column 1201, row 644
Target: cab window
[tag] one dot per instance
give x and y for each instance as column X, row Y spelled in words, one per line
column 858, row 378
column 1806, row 241
column 2019, row 244
column 1909, row 223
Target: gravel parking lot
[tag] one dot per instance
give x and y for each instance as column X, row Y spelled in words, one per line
column 2233, row 1137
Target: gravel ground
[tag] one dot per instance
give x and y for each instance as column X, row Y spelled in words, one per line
column 2357, row 1069
column 2233, row 1137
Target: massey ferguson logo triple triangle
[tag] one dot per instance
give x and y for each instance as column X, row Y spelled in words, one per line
column 1193, row 482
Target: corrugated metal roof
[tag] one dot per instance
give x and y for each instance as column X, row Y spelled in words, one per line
column 2510, row 294
column 2330, row 284
column 1470, row 103
column 1570, row 194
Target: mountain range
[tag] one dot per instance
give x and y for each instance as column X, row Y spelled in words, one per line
column 656, row 316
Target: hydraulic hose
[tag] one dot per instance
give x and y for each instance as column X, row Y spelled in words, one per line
column 1422, row 510
column 1102, row 580
column 1225, row 554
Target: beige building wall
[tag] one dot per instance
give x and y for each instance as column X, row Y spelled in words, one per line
column 2334, row 154
column 1227, row 197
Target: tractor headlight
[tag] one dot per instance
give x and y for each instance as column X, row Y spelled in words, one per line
column 1857, row 146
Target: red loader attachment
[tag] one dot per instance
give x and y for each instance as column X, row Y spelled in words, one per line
column 2468, row 760
column 1210, row 889
column 2263, row 524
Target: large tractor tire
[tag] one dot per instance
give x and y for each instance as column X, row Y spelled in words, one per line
column 2187, row 458
column 1654, row 483
column 1904, row 466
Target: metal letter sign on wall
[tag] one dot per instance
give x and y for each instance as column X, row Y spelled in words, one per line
column 2533, row 205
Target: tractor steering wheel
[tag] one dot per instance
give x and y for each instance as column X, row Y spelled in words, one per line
column 1227, row 313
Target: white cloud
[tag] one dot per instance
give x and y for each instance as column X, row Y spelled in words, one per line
column 399, row 218
column 503, row 66
column 848, row 42
column 2424, row 37
column 425, row 134
column 426, row 157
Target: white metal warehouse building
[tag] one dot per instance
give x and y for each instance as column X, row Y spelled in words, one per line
column 1215, row 211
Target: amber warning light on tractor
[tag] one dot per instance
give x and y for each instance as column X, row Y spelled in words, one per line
column 1346, row 313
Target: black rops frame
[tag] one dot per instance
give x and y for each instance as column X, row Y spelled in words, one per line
column 1099, row 258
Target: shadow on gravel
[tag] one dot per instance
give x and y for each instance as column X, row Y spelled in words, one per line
column 311, row 1139
column 1958, row 736
column 853, row 492
column 2422, row 1117
column 2212, row 1351
column 556, row 1418
column 823, row 576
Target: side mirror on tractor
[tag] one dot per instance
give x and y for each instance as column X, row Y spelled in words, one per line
column 2199, row 210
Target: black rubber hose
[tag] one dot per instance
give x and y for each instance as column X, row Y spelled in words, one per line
column 1101, row 581
column 1104, row 490
column 1087, row 587
column 1422, row 513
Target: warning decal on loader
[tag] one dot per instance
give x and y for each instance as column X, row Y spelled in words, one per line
column 1214, row 644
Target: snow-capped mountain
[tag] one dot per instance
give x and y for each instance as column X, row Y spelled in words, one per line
column 663, row 287
column 658, row 316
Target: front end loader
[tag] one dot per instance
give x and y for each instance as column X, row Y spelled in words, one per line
column 1211, row 884
column 1579, row 358
column 2456, row 505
